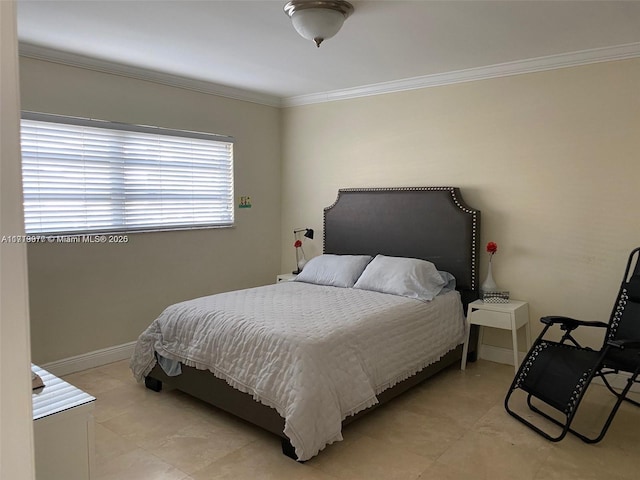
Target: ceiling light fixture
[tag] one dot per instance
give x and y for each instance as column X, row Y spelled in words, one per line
column 318, row 20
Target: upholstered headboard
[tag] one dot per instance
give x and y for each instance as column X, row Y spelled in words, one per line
column 431, row 223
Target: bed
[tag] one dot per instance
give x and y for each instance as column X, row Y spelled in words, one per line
column 302, row 359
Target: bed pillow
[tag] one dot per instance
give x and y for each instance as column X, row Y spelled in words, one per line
column 334, row 270
column 407, row 277
column 450, row 281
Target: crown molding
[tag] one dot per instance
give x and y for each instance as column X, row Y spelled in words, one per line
column 532, row 65
column 539, row 64
column 76, row 60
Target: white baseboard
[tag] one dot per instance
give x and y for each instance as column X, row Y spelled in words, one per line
column 505, row 355
column 116, row 353
column 90, row 360
column 619, row 381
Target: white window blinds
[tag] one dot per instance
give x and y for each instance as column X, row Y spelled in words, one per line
column 84, row 175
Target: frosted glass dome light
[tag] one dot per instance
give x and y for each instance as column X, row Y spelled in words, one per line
column 318, row 20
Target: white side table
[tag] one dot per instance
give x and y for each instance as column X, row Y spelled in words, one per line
column 63, row 430
column 507, row 316
column 286, row 277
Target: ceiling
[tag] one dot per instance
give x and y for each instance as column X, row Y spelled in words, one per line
column 251, row 46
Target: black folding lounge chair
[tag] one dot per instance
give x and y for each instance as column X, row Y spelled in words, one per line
column 558, row 373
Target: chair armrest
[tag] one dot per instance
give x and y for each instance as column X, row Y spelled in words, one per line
column 567, row 323
column 622, row 344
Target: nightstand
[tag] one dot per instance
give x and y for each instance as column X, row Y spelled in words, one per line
column 508, row 316
column 286, row 277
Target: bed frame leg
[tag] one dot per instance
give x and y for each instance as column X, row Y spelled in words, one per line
column 152, row 384
column 288, row 450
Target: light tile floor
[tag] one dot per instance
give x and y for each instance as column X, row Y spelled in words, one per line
column 452, row 426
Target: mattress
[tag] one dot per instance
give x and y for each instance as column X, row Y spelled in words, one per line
column 316, row 354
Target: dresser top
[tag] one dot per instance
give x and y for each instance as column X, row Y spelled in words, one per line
column 56, row 396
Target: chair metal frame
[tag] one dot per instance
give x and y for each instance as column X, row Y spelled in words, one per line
column 602, row 365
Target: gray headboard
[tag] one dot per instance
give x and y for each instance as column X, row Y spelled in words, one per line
column 431, row 223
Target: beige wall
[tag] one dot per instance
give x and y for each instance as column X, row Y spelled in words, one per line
column 85, row 297
column 551, row 160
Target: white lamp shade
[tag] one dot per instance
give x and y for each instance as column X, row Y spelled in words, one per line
column 317, row 23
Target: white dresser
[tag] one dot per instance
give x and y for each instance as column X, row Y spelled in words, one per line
column 63, row 430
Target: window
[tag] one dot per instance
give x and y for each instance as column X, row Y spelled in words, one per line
column 83, row 175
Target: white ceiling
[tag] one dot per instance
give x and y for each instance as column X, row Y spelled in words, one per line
column 252, row 46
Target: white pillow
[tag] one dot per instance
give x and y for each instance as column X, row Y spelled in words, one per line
column 450, row 281
column 407, row 277
column 334, row 270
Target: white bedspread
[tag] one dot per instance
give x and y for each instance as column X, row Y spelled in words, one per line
column 316, row 354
